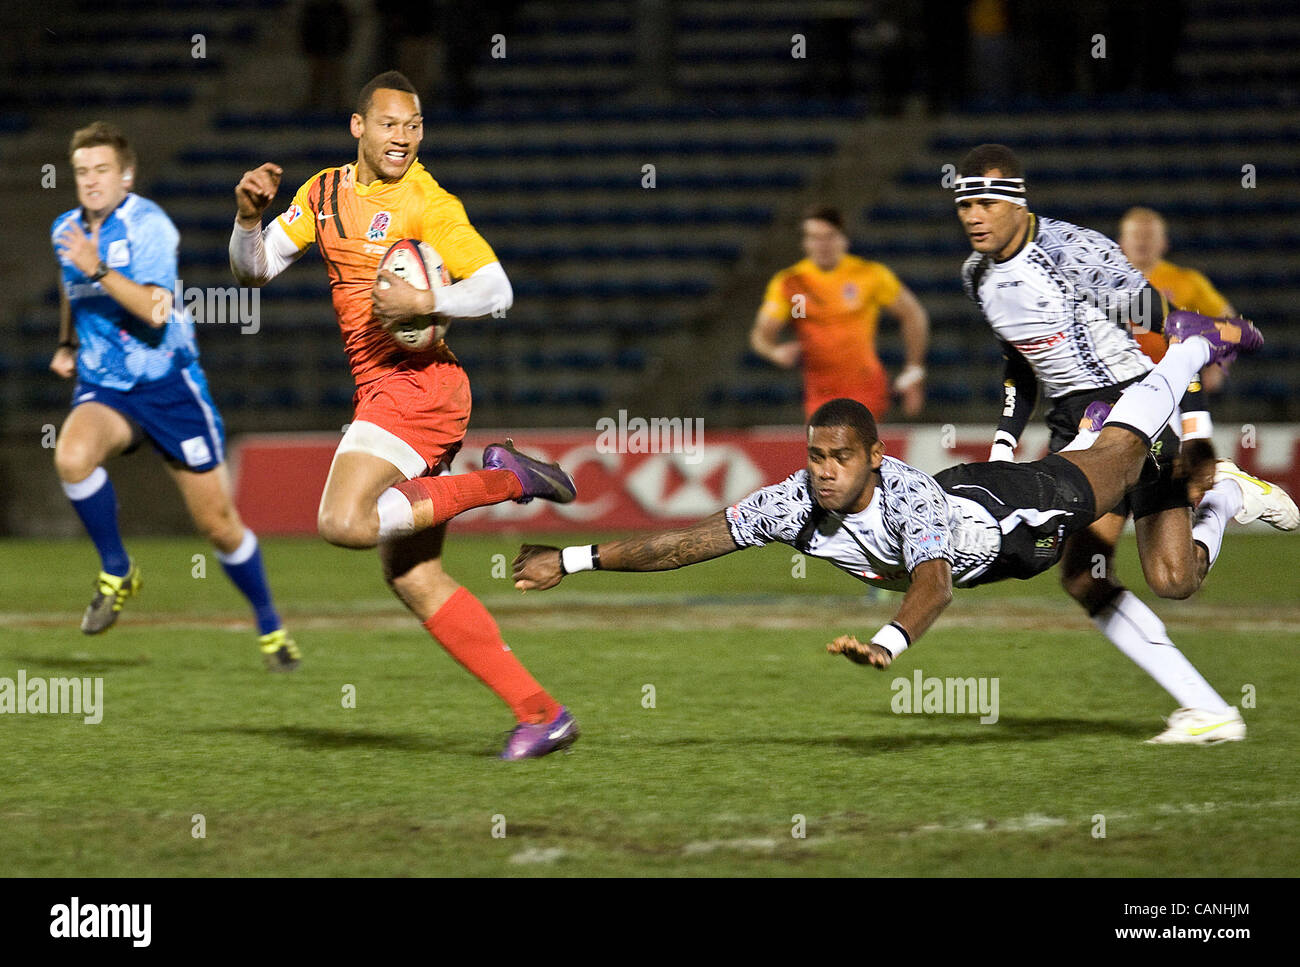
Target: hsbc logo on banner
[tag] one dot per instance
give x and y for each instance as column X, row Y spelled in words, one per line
column 666, row 485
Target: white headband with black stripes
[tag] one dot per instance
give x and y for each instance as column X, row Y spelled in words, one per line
column 1002, row 189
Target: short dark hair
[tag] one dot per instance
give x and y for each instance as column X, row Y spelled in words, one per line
column 846, row 412
column 987, row 157
column 825, row 213
column 100, row 133
column 388, row 80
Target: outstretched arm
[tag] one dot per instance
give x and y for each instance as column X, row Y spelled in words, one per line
column 538, row 567
column 928, row 594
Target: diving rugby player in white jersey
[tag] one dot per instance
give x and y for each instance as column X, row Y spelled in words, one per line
column 890, row 525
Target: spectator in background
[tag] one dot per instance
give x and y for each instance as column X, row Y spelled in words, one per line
column 1051, row 47
column 408, row 37
column 990, row 49
column 325, row 34
column 944, row 54
column 833, row 300
column 1142, row 42
column 440, row 43
column 828, row 66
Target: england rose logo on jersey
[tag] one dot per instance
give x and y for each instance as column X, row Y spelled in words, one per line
column 291, row 214
column 378, row 226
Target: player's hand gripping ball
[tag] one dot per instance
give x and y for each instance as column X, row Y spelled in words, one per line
column 419, row 265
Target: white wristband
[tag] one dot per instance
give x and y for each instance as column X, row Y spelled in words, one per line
column 909, row 377
column 891, row 638
column 577, row 558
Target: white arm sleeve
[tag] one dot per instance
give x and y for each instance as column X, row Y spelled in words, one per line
column 487, row 290
column 258, row 255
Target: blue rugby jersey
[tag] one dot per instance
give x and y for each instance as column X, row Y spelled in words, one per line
column 118, row 350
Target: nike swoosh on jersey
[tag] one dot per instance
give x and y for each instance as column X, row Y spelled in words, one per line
column 321, row 216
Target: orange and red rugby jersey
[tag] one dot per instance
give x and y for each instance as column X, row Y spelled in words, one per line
column 835, row 315
column 353, row 226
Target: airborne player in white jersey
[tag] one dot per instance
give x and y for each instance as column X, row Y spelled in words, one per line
column 1061, row 298
column 892, row 526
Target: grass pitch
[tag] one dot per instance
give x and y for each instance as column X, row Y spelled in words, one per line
column 754, row 733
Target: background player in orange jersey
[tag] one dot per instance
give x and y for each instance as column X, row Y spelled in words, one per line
column 833, row 300
column 385, row 486
column 1145, row 240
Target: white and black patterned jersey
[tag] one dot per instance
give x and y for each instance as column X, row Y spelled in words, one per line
column 909, row 520
column 1063, row 302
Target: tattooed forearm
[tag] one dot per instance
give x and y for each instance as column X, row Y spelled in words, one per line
column 666, row 550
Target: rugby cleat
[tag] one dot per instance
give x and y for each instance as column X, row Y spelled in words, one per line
column 111, row 593
column 545, row 480
column 1094, row 417
column 1226, row 337
column 534, row 741
column 1260, row 500
column 279, row 652
column 1196, row 726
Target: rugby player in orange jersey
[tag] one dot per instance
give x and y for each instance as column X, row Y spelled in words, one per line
column 385, row 486
column 833, row 301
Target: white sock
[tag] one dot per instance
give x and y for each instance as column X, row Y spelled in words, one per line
column 1149, row 405
column 1135, row 630
column 88, row 487
column 247, row 547
column 1082, row 440
column 1220, row 502
column 396, row 517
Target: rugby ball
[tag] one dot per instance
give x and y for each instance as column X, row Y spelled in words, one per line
column 418, row 264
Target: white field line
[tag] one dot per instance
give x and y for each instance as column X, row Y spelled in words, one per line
column 764, row 844
column 537, row 855
column 1035, row 822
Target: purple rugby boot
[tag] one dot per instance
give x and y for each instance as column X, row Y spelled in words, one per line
column 534, row 741
column 1094, row 417
column 545, row 480
column 1226, row 337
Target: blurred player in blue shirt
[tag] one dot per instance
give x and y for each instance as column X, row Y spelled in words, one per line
column 135, row 360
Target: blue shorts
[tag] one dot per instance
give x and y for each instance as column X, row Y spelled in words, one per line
column 176, row 413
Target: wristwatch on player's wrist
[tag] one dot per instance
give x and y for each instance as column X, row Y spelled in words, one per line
column 101, row 270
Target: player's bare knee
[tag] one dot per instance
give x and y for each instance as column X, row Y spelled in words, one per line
column 1175, row 580
column 73, row 463
column 224, row 529
column 1171, row 575
column 347, row 529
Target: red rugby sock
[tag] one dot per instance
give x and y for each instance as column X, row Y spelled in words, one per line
column 466, row 629
column 435, row 500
